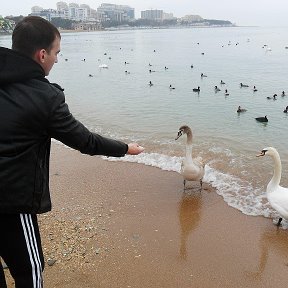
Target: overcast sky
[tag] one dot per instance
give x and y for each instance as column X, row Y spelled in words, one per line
column 241, row 12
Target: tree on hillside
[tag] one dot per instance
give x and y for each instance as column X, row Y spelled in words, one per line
column 62, row 23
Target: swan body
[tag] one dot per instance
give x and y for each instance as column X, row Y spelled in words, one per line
column 105, row 66
column 276, row 194
column 192, row 169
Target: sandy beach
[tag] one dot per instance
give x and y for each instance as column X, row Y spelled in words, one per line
column 116, row 224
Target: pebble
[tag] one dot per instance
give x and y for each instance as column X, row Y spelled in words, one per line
column 51, row 262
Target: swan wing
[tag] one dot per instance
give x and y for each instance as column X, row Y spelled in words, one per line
column 278, row 199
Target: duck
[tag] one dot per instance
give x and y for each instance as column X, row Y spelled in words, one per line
column 192, row 169
column 283, row 94
column 262, row 119
column 276, row 194
column 196, row 89
column 255, row 89
column 217, row 89
column 239, row 110
column 286, row 110
column 222, row 82
column 171, row 88
column 226, row 92
column 243, row 85
column 203, row 75
column 150, row 83
column 273, row 97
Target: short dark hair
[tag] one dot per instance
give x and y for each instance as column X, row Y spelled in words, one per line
column 33, row 33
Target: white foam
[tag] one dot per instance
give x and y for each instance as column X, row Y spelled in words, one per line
column 161, row 161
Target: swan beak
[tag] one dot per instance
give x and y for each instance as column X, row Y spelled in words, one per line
column 262, row 153
column 179, row 134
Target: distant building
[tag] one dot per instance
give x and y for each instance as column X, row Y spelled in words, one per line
column 156, row 15
column 47, row 14
column 118, row 13
column 36, row 9
column 87, row 26
column 168, row 16
column 191, row 18
column 63, row 8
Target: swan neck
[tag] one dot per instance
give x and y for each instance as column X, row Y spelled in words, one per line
column 189, row 138
column 275, row 181
column 189, row 150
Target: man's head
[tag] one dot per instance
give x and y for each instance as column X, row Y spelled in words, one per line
column 38, row 39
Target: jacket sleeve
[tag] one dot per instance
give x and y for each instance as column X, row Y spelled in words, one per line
column 65, row 128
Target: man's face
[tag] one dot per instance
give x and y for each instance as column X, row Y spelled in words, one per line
column 50, row 58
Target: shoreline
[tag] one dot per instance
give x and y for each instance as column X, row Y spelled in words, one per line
column 116, row 224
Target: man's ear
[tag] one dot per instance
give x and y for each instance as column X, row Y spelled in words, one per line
column 39, row 56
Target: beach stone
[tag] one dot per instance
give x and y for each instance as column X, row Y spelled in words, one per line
column 51, row 262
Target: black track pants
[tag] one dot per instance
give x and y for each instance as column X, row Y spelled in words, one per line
column 20, row 248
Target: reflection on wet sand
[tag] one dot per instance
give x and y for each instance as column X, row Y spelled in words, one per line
column 189, row 216
column 271, row 242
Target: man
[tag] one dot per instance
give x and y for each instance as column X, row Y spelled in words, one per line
column 32, row 111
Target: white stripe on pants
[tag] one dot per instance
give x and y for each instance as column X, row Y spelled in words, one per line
column 32, row 248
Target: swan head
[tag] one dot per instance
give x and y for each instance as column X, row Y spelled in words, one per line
column 183, row 130
column 270, row 151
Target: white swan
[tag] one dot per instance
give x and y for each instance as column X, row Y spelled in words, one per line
column 191, row 169
column 105, row 66
column 276, row 195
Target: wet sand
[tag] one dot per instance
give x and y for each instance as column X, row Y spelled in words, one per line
column 116, row 224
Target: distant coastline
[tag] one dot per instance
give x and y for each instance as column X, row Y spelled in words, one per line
column 150, row 28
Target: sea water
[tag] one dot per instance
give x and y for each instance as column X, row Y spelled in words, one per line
column 118, row 101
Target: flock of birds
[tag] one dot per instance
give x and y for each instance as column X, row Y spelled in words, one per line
column 192, row 169
column 226, row 93
column 202, row 75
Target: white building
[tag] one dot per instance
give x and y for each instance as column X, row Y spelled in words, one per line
column 191, row 18
column 156, row 15
column 115, row 12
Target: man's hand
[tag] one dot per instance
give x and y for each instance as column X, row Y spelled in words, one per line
column 134, row 149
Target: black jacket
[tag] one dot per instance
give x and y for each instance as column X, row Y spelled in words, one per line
column 32, row 111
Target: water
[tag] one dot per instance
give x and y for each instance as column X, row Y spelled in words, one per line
column 121, row 104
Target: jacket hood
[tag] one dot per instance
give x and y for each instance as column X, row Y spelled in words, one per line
column 16, row 67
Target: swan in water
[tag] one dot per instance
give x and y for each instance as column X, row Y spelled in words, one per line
column 191, row 169
column 105, row 66
column 276, row 195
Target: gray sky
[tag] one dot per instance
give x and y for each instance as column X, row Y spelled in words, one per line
column 241, row 12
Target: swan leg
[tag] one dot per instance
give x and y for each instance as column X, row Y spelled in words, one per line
column 279, row 221
column 201, row 183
